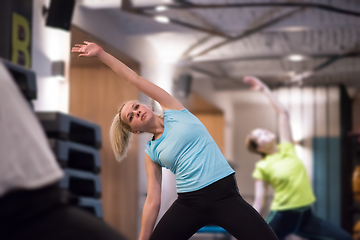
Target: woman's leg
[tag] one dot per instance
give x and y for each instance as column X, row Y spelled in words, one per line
column 241, row 220
column 227, row 209
column 180, row 222
column 283, row 223
column 315, row 228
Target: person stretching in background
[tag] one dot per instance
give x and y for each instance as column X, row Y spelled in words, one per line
column 281, row 168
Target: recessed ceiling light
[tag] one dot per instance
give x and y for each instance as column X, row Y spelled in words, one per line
column 296, row 58
column 291, row 73
column 98, row 4
column 162, row 19
column 161, row 8
column 301, row 76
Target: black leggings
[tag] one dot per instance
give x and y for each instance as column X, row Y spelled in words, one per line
column 302, row 222
column 45, row 214
column 220, row 204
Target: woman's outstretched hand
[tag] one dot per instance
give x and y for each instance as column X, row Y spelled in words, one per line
column 255, row 83
column 88, row 49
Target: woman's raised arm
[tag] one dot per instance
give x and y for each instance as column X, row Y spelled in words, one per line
column 284, row 118
column 89, row 49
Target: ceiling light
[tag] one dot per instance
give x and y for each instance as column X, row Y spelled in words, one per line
column 293, row 29
column 161, row 8
column 291, row 73
column 301, row 76
column 296, row 58
column 162, row 19
column 98, row 4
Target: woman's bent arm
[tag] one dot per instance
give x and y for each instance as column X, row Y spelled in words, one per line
column 153, row 198
column 260, row 195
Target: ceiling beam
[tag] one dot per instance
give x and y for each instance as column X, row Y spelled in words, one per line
column 127, row 6
column 216, row 77
column 188, row 5
column 302, row 76
column 273, row 57
column 257, row 22
column 248, row 32
column 177, row 22
column 187, row 52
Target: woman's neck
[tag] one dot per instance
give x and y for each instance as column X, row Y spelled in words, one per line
column 272, row 150
column 159, row 127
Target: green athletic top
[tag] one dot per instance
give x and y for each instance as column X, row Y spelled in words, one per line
column 285, row 172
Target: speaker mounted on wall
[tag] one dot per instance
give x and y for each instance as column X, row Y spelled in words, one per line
column 60, row 13
column 183, row 85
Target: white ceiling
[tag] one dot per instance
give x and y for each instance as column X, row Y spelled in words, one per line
column 213, row 40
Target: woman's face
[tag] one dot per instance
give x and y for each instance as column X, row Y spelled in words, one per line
column 265, row 139
column 138, row 116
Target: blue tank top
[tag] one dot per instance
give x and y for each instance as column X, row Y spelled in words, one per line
column 188, row 150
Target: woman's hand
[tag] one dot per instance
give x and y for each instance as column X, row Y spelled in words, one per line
column 255, row 83
column 88, row 49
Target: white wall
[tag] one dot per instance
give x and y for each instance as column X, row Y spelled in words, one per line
column 49, row 44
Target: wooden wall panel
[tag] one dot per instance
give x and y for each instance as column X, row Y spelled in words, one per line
column 214, row 123
column 96, row 93
column 211, row 116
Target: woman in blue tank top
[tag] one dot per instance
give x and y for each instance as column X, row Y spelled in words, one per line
column 206, row 185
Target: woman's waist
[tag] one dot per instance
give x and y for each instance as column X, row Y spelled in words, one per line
column 226, row 183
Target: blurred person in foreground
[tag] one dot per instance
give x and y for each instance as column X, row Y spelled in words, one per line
column 32, row 206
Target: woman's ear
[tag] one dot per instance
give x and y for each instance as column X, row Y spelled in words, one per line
column 136, row 132
column 259, row 148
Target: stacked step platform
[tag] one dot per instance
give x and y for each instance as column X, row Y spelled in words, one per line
column 76, row 143
column 25, row 80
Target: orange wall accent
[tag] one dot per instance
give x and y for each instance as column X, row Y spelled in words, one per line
column 96, row 93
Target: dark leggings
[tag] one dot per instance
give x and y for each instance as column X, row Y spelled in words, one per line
column 303, row 222
column 45, row 214
column 220, row 204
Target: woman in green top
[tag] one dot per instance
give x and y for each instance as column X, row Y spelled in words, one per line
column 281, row 168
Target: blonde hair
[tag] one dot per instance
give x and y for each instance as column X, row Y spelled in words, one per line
column 252, row 146
column 120, row 136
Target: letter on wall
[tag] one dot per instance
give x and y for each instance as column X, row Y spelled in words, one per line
column 20, row 40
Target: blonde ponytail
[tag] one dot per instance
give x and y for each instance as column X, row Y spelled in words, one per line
column 120, row 136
